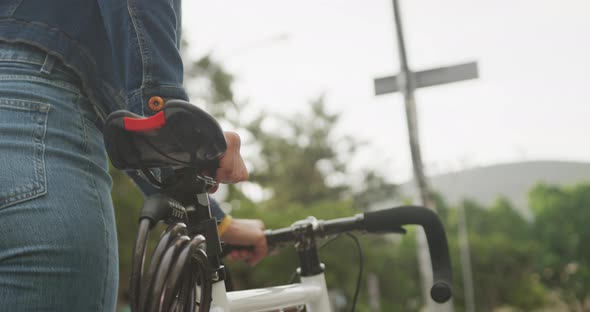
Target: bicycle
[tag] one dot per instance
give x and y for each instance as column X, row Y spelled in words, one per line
column 185, row 270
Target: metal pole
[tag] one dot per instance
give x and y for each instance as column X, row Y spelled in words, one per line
column 407, row 87
column 373, row 290
column 465, row 261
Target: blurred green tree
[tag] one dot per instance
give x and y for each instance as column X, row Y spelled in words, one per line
column 561, row 227
column 503, row 252
column 296, row 161
column 210, row 86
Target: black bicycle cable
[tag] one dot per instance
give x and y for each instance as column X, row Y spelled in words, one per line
column 361, row 265
column 177, row 264
column 176, row 283
column 159, row 291
column 139, row 251
column 360, row 275
column 169, row 236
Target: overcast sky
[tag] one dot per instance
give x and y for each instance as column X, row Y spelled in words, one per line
column 531, row 102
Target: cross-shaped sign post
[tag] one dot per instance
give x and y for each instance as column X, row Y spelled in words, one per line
column 406, row 82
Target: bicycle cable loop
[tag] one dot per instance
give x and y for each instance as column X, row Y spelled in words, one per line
column 181, row 261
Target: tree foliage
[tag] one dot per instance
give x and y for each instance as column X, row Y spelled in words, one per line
column 561, row 225
column 295, row 161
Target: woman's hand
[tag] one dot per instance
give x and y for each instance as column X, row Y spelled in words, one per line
column 246, row 232
column 231, row 165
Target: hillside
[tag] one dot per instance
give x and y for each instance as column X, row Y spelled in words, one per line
column 511, row 180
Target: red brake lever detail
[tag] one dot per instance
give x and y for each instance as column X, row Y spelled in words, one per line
column 145, row 124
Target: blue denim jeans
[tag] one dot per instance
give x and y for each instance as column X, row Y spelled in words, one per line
column 58, row 245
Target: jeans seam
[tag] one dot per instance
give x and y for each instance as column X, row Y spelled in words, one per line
column 40, row 170
column 137, row 26
column 86, row 151
column 63, row 85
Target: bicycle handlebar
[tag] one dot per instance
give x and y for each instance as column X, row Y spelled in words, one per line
column 390, row 221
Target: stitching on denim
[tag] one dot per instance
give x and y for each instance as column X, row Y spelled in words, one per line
column 39, row 186
column 86, row 150
column 40, row 170
column 138, row 27
column 20, row 59
column 82, row 129
column 121, row 100
column 14, row 6
column 166, row 87
column 24, row 105
column 37, row 62
column 48, row 64
column 60, row 84
column 106, row 238
column 172, row 87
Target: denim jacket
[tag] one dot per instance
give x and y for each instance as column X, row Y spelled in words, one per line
column 125, row 51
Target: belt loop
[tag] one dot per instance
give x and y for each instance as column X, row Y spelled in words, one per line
column 48, row 64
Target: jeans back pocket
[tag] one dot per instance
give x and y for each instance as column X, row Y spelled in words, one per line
column 22, row 164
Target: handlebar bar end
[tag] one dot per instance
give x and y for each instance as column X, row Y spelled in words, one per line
column 441, row 292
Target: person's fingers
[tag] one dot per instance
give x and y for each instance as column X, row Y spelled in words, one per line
column 247, row 232
column 232, row 168
column 260, row 251
column 254, row 260
column 244, row 254
column 261, row 248
column 238, row 255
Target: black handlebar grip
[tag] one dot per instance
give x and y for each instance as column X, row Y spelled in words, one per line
column 391, row 219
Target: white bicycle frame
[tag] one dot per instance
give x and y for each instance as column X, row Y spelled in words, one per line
column 311, row 292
